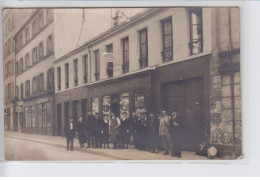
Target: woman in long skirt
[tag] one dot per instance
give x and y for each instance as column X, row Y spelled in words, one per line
column 114, row 126
column 81, row 132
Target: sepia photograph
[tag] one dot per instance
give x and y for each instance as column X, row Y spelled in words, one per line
column 106, row 84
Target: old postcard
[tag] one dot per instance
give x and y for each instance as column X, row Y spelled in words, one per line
column 88, row 84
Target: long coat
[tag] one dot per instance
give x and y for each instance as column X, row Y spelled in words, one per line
column 81, row 131
column 125, row 130
column 114, row 132
column 105, row 131
column 69, row 133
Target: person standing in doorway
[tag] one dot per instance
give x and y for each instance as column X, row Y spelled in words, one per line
column 164, row 132
column 81, row 132
column 70, row 134
column 175, row 132
column 89, row 133
column 114, row 126
column 105, row 131
column 152, row 133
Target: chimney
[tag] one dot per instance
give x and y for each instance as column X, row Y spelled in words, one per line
column 117, row 18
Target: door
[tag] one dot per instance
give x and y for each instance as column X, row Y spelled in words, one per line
column 59, row 120
column 115, row 108
column 186, row 97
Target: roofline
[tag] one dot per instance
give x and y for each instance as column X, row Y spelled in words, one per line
column 110, row 32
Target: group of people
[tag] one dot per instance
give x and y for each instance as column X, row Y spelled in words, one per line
column 151, row 132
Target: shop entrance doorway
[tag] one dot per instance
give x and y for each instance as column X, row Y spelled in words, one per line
column 115, row 104
column 186, row 97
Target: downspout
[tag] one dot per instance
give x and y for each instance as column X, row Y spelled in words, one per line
column 232, row 84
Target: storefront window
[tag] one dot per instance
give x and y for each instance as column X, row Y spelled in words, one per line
column 39, row 115
column 106, row 105
column 94, row 105
column 44, row 115
column 29, row 117
column 124, row 103
column 49, row 114
column 34, row 116
column 139, row 102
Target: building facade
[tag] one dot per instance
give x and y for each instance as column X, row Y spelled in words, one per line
column 163, row 58
column 38, row 42
column 12, row 21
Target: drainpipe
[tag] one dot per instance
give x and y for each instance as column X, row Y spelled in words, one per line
column 90, row 67
column 232, row 84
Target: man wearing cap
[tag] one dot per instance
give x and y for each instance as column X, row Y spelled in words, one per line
column 164, row 132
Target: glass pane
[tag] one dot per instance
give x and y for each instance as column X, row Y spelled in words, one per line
column 124, row 103
column 49, row 114
column 168, row 27
column 94, row 103
column 139, row 102
column 106, row 105
column 34, row 116
column 168, row 41
column 39, row 116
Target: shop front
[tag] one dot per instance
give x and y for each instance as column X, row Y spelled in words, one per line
column 130, row 93
column 38, row 116
column 179, row 87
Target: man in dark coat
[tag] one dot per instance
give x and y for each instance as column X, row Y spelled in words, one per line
column 70, row 134
column 88, row 125
column 175, row 133
column 81, row 132
column 96, row 129
column 144, row 127
column 152, row 133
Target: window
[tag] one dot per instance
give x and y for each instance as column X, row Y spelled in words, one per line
column 34, row 30
column 196, row 32
column 143, row 41
column 41, row 51
column 34, row 85
column 21, row 91
column 59, row 78
column 21, row 65
column 27, row 88
column 41, row 82
column 109, row 48
column 40, row 20
column 9, row 91
column 27, row 34
column 21, row 40
column 67, row 75
column 75, row 62
column 167, row 43
column 50, row 79
column 17, row 92
column 49, row 44
column 97, row 64
column 125, row 65
column 27, row 60
column 49, row 14
column 34, row 55
column 85, row 68
column 16, row 68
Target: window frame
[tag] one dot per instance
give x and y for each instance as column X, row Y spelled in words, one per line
column 125, row 60
column 143, row 61
column 163, row 22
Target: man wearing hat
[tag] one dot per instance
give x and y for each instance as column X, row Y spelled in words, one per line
column 144, row 126
column 70, row 134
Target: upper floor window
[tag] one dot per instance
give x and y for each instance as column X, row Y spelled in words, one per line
column 49, row 14
column 49, row 43
column 75, row 62
column 167, row 40
column 16, row 67
column 16, row 92
column 67, row 75
column 40, row 20
column 196, row 32
column 85, row 68
column 50, row 79
column 109, row 48
column 143, row 43
column 34, row 55
column 21, row 88
column 97, row 64
column 34, row 28
column 34, row 85
column 27, row 34
column 41, row 82
column 27, row 60
column 59, row 78
column 27, row 88
column 41, row 51
column 125, row 65
column 21, row 40
column 21, row 65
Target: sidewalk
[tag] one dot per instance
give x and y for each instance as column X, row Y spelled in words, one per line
column 120, row 154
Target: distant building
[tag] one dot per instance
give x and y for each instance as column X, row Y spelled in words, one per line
column 12, row 21
column 46, row 35
column 164, row 58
